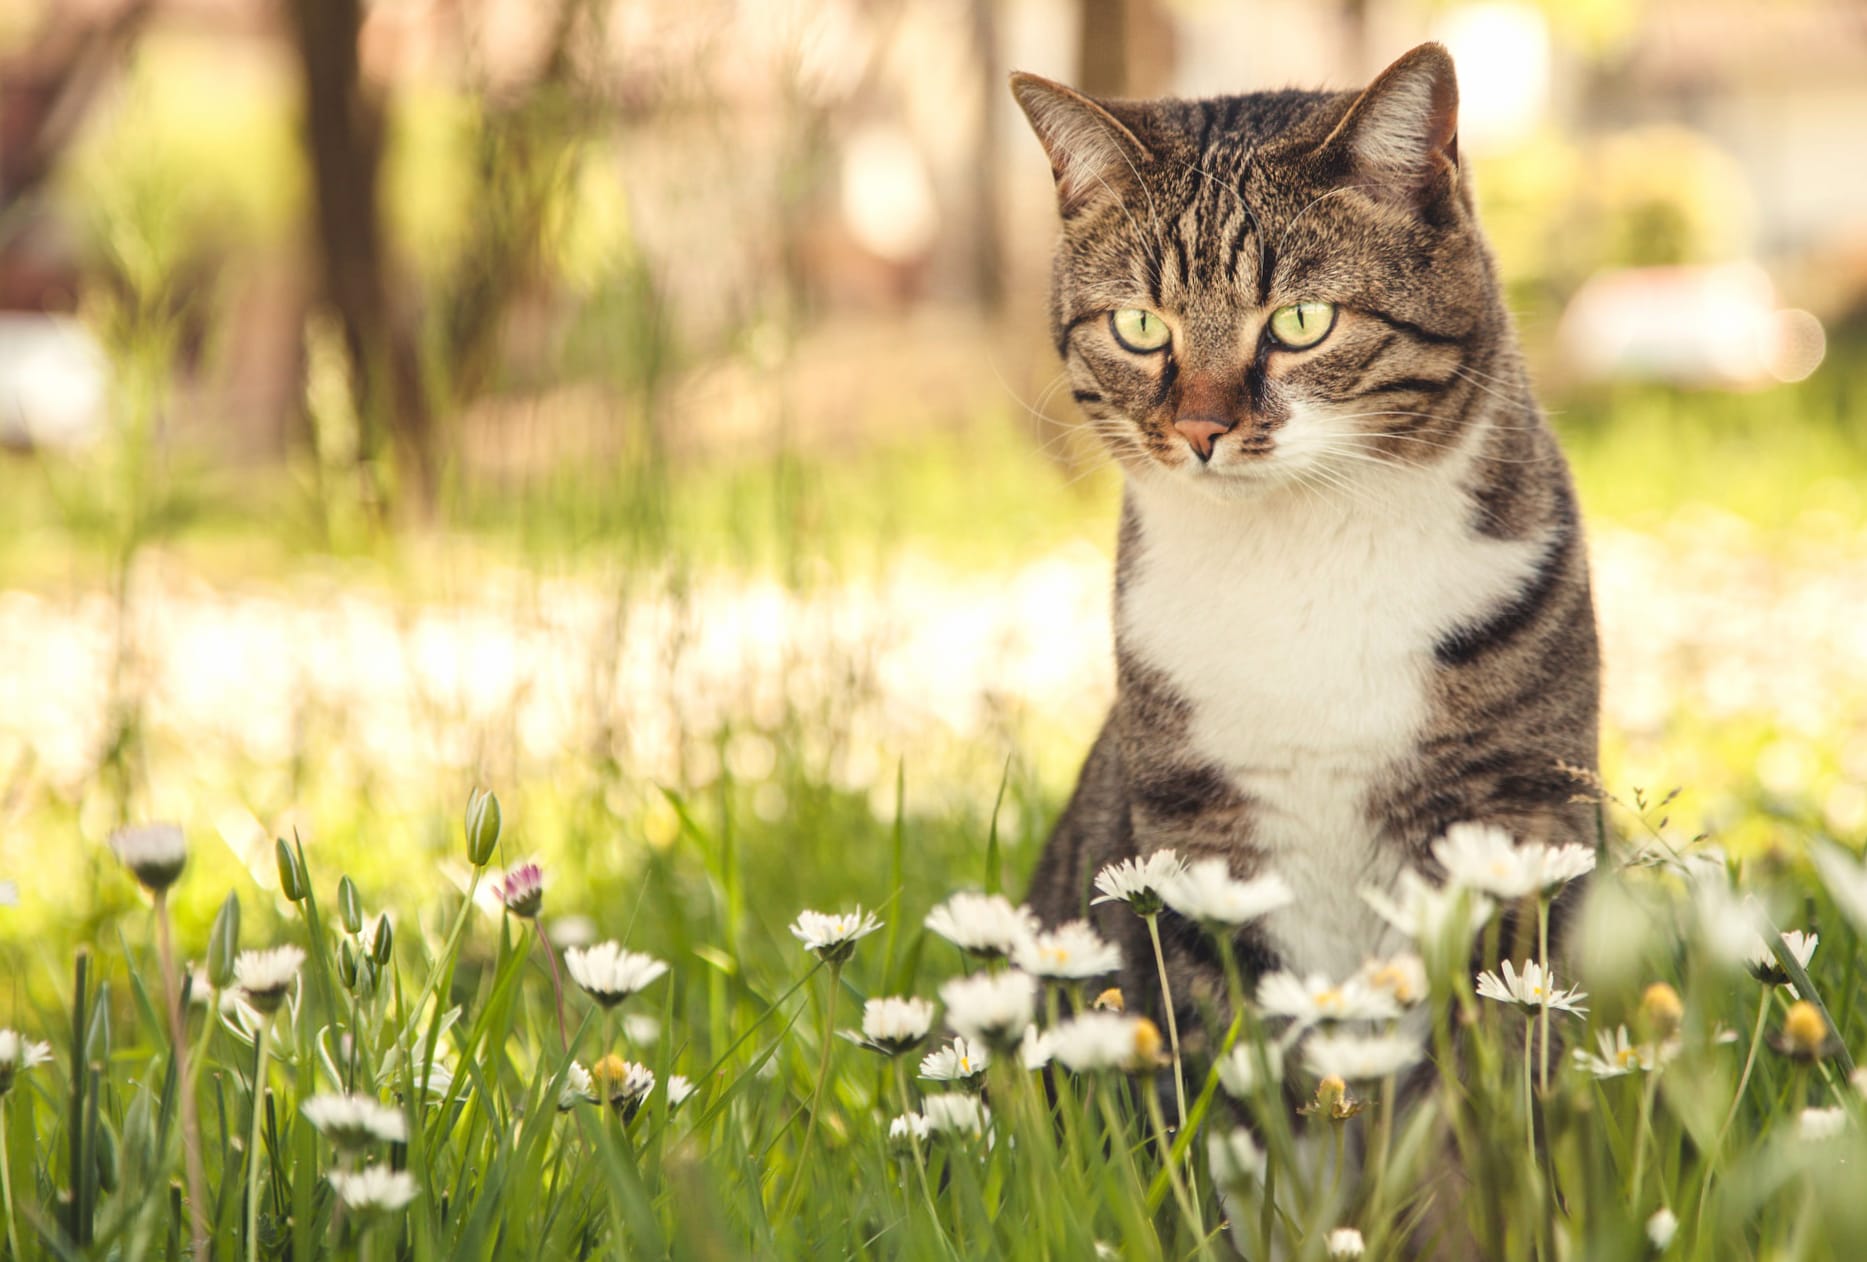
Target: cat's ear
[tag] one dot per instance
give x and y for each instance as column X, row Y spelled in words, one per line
column 1400, row 139
column 1092, row 153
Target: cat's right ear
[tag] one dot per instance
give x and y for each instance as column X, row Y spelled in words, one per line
column 1091, row 152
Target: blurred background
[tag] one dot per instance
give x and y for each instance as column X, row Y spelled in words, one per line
column 646, row 409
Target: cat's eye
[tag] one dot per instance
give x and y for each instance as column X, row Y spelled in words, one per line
column 1142, row 332
column 1302, row 324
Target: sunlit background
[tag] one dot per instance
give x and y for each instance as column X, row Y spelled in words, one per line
column 647, row 410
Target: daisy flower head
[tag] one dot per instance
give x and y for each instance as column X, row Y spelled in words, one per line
column 1805, row 1035
column 1069, row 952
column 1034, row 1050
column 894, row 1025
column 1815, row 1125
column 1206, row 892
column 1333, row 1100
column 623, row 1083
column 991, row 1008
column 1344, row 1242
column 522, row 890
column 1315, row 998
column 18, row 1054
column 374, row 1189
column 1761, row 959
column 832, row 936
column 354, row 1122
column 1661, row 1228
column 1534, row 989
column 959, row 1061
column 985, row 926
column 266, row 976
column 1096, row 1042
column 1359, row 1057
column 1618, row 1055
column 907, row 1130
column 1234, row 1157
column 1241, row 1069
column 955, row 1113
column 577, row 1088
column 1484, row 857
column 1440, row 919
column 1401, row 977
column 1139, row 882
column 680, row 1090
column 610, row 974
column 154, row 853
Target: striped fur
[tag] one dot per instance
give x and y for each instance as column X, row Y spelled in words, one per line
column 1367, row 616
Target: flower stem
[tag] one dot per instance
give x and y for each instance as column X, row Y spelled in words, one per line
column 191, row 1127
column 1642, row 1126
column 1716, row 1154
column 1187, row 1206
column 252, row 1148
column 816, row 1095
column 6, row 1189
column 1529, row 1098
column 1542, row 955
column 1173, row 1024
column 557, row 982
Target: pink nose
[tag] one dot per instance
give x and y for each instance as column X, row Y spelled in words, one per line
column 1200, row 433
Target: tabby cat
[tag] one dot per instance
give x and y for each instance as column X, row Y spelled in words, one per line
column 1351, row 597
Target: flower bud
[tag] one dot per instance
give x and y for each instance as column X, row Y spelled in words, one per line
column 107, row 1164
column 1805, row 1033
column 384, row 942
column 223, row 944
column 350, row 905
column 1109, row 1000
column 1661, row 1012
column 347, row 964
column 292, row 880
column 483, row 820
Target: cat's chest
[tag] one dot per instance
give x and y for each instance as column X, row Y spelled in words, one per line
column 1300, row 637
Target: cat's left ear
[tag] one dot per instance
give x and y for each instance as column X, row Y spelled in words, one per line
column 1400, row 139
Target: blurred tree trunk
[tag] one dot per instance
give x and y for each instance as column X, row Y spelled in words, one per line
column 1126, row 47
column 344, row 138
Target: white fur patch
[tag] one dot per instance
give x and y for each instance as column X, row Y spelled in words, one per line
column 1300, row 627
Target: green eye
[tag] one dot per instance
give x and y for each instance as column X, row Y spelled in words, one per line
column 1139, row 331
column 1303, row 324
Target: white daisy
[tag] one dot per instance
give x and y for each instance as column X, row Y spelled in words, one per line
column 680, row 1090
column 1483, row 857
column 959, row 1061
column 992, row 1008
column 1034, row 1050
column 1234, row 1157
column 354, row 1122
column 1401, row 977
column 1533, row 989
column 18, row 1054
column 892, row 1025
column 623, row 1083
column 1426, row 912
column 1619, row 1055
column 641, row 1029
column 955, row 1113
column 1359, row 1057
column 577, row 1088
column 832, row 936
column 1070, row 952
column 1344, row 1242
column 1098, row 1041
column 374, row 1189
column 1139, row 882
column 610, row 974
column 1813, row 1125
column 266, row 976
column 155, row 853
column 1207, row 892
column 1240, row 1070
column 1661, row 1228
column 986, row 926
column 908, row 1128
column 1762, row 961
column 1315, row 998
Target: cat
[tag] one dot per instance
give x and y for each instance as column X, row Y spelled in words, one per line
column 1352, row 601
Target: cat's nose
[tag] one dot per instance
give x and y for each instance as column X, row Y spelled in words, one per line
column 1200, row 433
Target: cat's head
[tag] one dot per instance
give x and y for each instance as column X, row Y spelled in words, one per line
column 1277, row 288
